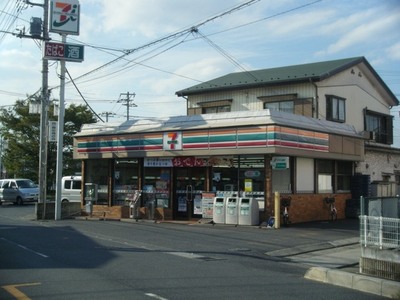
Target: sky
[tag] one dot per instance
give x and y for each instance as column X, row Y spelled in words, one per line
column 176, row 44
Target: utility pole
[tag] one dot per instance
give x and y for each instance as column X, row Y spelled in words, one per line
column 44, row 105
column 127, row 102
column 44, row 116
column 107, row 114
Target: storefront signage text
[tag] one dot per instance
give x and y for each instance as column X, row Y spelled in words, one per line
column 188, row 161
column 280, row 162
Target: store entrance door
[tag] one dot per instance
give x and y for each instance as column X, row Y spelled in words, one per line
column 189, row 185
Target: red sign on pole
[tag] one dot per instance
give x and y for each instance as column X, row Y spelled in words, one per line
column 54, row 50
column 60, row 51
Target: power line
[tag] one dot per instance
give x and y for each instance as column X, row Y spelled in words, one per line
column 171, row 36
column 70, row 77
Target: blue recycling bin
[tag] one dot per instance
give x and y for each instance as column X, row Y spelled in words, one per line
column 248, row 211
column 219, row 210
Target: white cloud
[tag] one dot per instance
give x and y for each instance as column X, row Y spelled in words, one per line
column 328, row 28
column 394, row 51
column 360, row 30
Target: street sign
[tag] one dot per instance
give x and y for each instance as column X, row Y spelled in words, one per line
column 60, row 51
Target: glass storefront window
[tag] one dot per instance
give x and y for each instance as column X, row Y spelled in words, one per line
column 156, row 187
column 252, row 175
column 224, row 174
column 325, row 172
column 238, row 174
column 126, row 180
column 97, row 173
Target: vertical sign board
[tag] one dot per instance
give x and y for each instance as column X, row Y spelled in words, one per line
column 207, row 205
column 53, row 131
column 64, row 16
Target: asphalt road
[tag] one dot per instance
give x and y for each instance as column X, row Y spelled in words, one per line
column 80, row 259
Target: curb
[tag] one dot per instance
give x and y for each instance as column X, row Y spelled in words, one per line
column 363, row 283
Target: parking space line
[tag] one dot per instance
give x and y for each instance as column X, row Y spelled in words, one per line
column 14, row 291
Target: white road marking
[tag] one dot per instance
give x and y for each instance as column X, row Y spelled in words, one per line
column 186, row 255
column 25, row 248
column 155, row 296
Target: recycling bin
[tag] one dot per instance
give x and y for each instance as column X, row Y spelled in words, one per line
column 219, row 210
column 231, row 213
column 248, row 211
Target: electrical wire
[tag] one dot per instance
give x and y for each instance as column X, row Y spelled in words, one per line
column 225, row 54
column 77, row 89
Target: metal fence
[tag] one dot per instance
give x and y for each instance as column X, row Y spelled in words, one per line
column 380, row 232
column 380, row 222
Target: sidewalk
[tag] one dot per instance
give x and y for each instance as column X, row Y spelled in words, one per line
column 337, row 263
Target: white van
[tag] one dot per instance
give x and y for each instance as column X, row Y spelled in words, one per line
column 71, row 189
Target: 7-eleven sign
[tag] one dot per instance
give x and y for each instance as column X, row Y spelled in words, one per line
column 172, row 140
column 64, row 16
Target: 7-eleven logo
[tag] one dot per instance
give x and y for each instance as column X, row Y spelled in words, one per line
column 172, row 141
column 67, row 13
column 64, row 16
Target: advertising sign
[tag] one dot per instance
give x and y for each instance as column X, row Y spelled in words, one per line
column 280, row 162
column 208, row 205
column 60, row 51
column 172, row 141
column 64, row 16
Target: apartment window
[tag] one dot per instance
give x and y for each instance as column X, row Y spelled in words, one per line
column 380, row 126
column 335, row 108
column 289, row 103
column 285, row 106
column 214, row 107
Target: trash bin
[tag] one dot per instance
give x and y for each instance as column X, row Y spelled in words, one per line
column 231, row 213
column 219, row 210
column 248, row 211
column 89, row 207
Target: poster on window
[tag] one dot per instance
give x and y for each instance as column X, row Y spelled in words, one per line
column 248, row 185
column 197, row 205
column 182, row 205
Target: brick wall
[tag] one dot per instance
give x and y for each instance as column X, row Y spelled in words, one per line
column 312, row 207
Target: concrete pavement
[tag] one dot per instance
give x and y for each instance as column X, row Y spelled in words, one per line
column 332, row 258
column 336, row 262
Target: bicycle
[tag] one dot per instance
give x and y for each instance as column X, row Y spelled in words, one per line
column 333, row 211
column 285, row 202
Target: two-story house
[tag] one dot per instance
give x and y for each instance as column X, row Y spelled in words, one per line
column 300, row 130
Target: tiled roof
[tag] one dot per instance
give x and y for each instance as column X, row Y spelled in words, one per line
column 289, row 74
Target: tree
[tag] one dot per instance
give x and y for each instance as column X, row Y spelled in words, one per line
column 21, row 132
